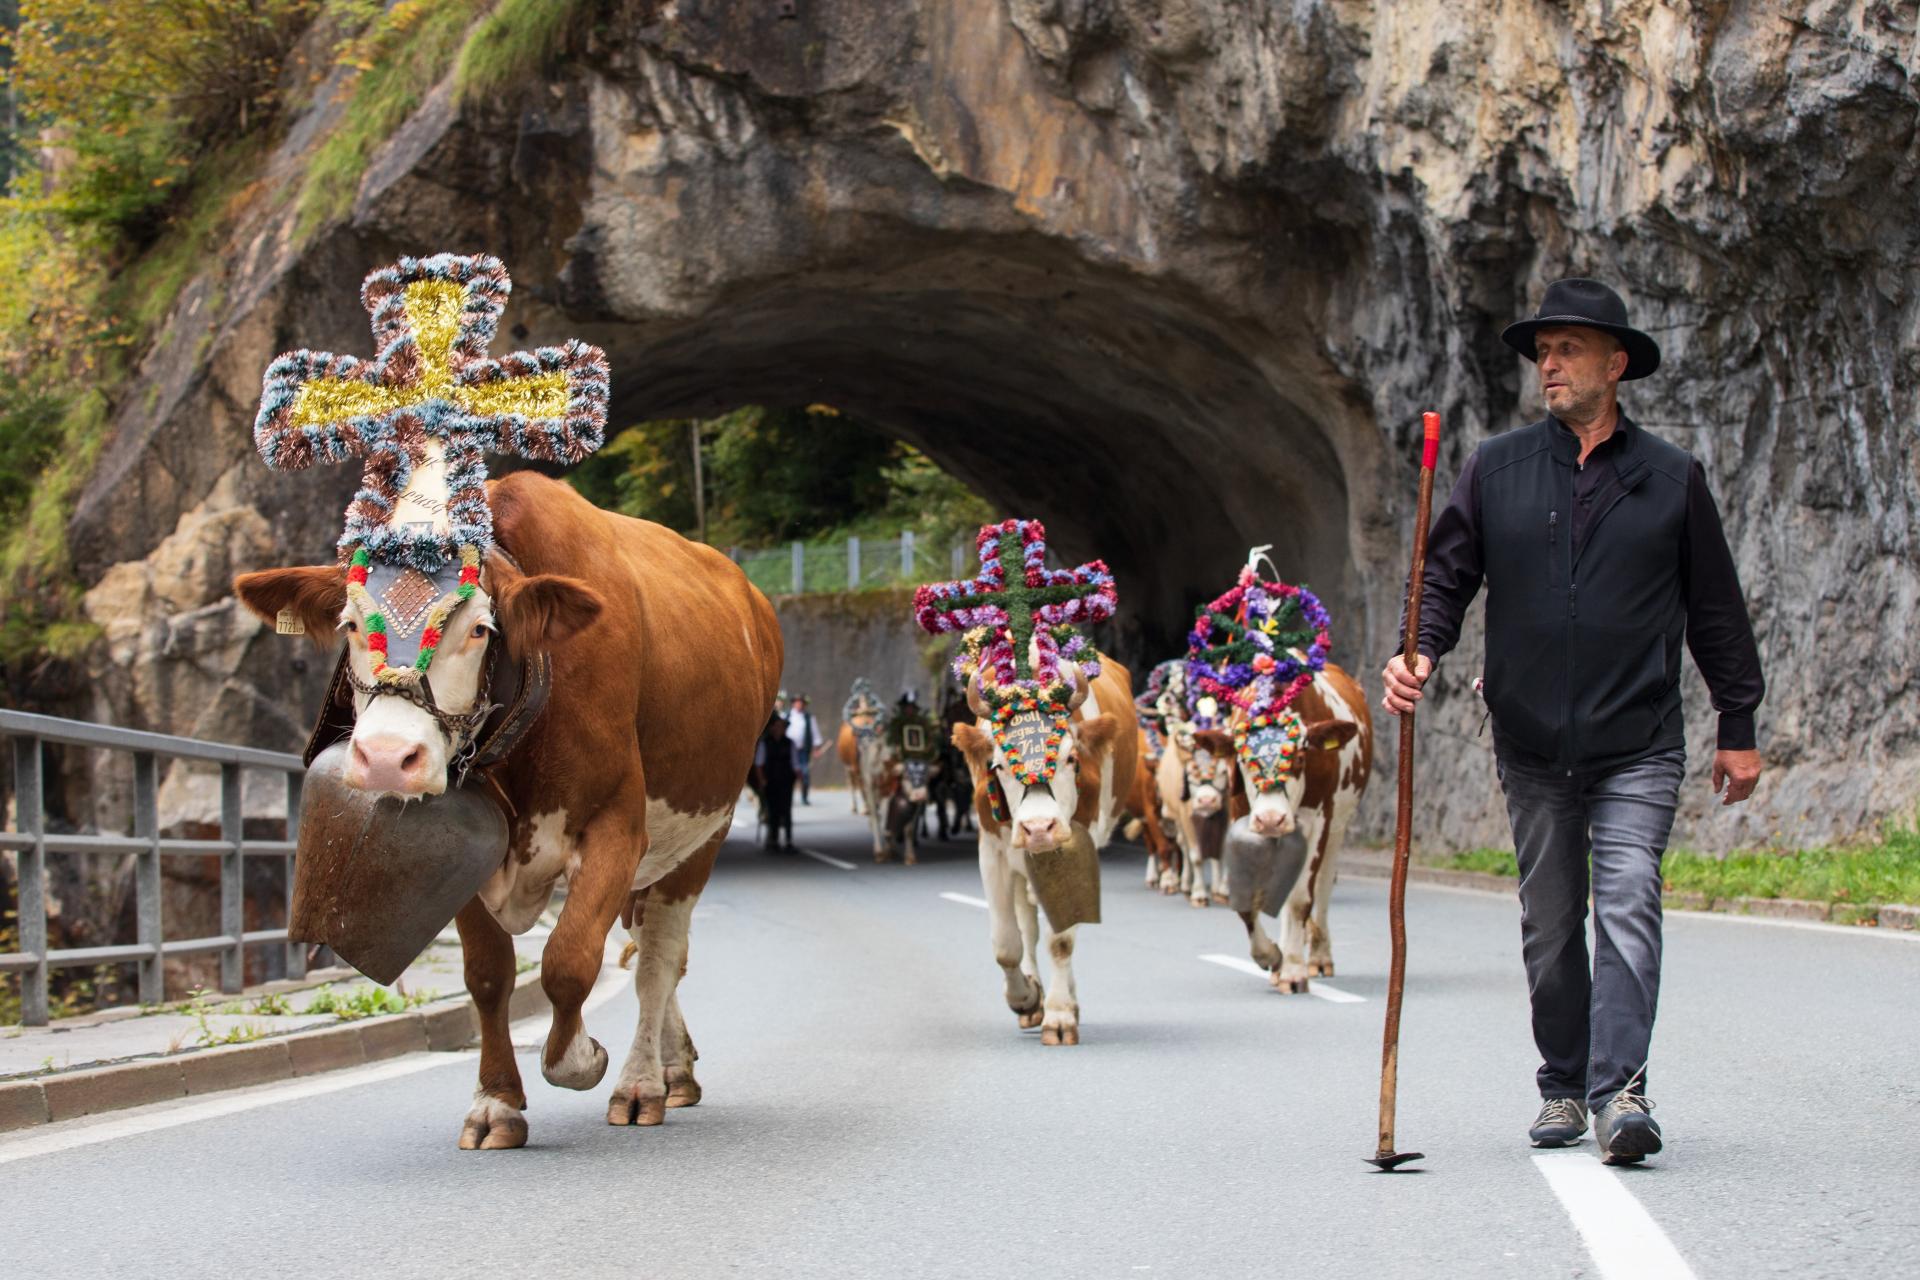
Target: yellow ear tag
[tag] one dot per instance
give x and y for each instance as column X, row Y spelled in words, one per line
column 287, row 623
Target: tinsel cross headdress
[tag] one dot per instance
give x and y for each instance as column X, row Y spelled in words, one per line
column 422, row 414
column 1017, row 631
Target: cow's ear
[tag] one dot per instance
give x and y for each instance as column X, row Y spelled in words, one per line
column 974, row 744
column 1096, row 735
column 312, row 595
column 541, row 610
column 1331, row 735
column 1217, row 741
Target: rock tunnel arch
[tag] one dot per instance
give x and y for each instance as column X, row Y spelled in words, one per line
column 1141, row 427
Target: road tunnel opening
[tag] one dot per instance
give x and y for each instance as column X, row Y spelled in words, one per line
column 1139, row 427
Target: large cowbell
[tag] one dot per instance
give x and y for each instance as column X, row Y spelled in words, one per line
column 376, row 878
column 1262, row 870
column 1066, row 881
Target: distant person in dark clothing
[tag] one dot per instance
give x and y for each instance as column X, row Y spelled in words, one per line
column 803, row 730
column 773, row 775
column 1601, row 552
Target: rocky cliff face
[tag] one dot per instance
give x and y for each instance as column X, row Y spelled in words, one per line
column 1176, row 276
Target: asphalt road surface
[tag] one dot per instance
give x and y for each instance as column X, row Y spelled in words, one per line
column 872, row 1110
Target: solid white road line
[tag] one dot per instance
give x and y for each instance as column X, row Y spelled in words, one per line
column 1625, row 1241
column 817, row 856
column 88, row 1130
column 1333, row 995
column 965, row 901
column 64, row 1138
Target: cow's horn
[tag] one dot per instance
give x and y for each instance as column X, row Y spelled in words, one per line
column 1077, row 680
column 976, row 697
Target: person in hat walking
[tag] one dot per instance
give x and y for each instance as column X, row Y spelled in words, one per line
column 1601, row 552
column 774, row 761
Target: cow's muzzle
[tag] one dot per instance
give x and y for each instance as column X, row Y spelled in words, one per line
column 1272, row 823
column 390, row 765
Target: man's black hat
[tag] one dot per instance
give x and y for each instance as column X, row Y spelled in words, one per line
column 1591, row 305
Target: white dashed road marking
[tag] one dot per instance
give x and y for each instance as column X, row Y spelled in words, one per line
column 1331, row 994
column 817, row 856
column 965, row 901
column 1625, row 1241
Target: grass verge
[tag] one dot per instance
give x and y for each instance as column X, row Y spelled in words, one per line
column 1884, row 871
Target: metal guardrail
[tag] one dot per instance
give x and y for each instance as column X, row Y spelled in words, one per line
column 30, row 733
column 850, row 565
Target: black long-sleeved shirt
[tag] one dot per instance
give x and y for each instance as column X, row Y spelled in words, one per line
column 1719, row 634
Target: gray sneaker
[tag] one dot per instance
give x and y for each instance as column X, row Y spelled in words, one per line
column 1560, row 1123
column 1626, row 1132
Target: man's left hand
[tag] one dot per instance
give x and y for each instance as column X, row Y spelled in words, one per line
column 1739, row 771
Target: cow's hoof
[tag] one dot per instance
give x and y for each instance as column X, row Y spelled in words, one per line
column 911, row 861
column 684, row 1093
column 1030, row 1018
column 1219, row 899
column 1291, row 986
column 1055, row 1034
column 493, row 1125
column 1169, row 883
column 625, row 1109
column 1320, row 969
column 1198, row 900
column 578, row 1068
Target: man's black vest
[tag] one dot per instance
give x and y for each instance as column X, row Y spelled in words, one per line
column 1583, row 654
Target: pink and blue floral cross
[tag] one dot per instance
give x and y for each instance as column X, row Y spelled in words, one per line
column 1047, row 604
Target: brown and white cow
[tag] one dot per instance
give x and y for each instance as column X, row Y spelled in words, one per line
column 1195, row 780
column 1145, row 818
column 1318, row 799
column 1098, row 757
column 665, row 664
column 862, row 747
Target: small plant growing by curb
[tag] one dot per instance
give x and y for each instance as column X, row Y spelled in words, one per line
column 367, row 1002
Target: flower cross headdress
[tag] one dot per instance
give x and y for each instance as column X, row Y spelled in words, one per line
column 1018, row 633
column 1257, row 647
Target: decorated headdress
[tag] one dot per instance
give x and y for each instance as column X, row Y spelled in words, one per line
column 422, row 414
column 1256, row 647
column 1023, row 653
column 863, row 709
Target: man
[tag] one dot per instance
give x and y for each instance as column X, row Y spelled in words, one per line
column 804, row 732
column 1601, row 549
column 774, row 768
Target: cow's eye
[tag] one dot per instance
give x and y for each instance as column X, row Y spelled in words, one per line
column 352, row 627
column 480, row 630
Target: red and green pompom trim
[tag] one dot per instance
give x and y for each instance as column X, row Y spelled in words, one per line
column 431, row 636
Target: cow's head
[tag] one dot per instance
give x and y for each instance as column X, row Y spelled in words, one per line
column 1272, row 751
column 1035, row 757
column 914, row 775
column 403, row 742
column 1207, row 759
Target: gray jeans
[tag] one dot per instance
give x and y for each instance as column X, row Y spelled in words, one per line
column 1592, row 1029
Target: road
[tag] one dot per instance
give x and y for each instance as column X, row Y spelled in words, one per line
column 872, row 1110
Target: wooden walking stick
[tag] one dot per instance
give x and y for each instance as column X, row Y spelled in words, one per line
column 1386, row 1158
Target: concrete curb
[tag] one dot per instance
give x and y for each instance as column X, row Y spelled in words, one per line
column 1887, row 916
column 443, row 1026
